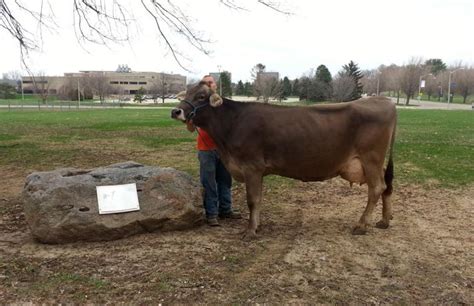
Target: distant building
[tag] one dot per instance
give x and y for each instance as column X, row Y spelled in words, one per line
column 122, row 81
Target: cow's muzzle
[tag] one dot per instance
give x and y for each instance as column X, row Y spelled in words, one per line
column 178, row 113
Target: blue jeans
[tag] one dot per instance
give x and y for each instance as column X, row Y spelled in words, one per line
column 217, row 183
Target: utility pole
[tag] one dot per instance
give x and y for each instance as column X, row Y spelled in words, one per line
column 449, row 83
column 78, row 94
column 22, row 91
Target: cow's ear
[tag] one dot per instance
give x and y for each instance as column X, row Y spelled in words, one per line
column 215, row 100
column 180, row 96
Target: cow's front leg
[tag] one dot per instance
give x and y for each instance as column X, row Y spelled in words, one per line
column 253, row 186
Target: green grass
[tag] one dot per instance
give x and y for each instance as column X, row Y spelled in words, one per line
column 433, row 146
column 458, row 99
column 53, row 101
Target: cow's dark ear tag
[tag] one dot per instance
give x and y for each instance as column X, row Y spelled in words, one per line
column 215, row 100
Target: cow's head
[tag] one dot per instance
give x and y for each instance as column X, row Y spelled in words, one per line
column 194, row 100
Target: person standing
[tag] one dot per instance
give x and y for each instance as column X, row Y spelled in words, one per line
column 215, row 178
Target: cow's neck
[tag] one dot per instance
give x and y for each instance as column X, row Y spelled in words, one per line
column 217, row 122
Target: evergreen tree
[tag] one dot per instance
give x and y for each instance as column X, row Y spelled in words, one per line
column 323, row 74
column 248, row 89
column 354, row 72
column 140, row 95
column 225, row 85
column 435, row 65
column 286, row 87
column 240, row 89
column 7, row 91
column 304, row 88
column 295, row 89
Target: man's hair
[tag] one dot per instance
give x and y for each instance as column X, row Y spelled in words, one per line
column 206, row 76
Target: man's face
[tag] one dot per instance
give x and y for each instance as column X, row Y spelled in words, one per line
column 210, row 83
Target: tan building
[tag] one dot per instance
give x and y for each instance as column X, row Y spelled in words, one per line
column 121, row 82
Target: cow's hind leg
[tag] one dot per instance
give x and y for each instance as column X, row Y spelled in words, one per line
column 253, row 186
column 376, row 186
column 386, row 211
column 387, row 198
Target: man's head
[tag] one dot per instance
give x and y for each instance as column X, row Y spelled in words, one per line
column 210, row 82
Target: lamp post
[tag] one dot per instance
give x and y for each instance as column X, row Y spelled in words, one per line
column 378, row 86
column 419, row 85
column 449, row 83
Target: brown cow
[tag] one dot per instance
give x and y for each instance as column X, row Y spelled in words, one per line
column 307, row 143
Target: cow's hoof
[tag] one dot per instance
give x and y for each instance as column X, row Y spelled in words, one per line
column 382, row 224
column 359, row 230
column 249, row 235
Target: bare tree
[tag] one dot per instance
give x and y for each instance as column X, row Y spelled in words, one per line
column 69, row 91
column 465, row 82
column 256, row 70
column 110, row 21
column 12, row 78
column 159, row 88
column 343, row 86
column 267, row 85
column 375, row 81
column 99, row 84
column 392, row 75
column 431, row 86
column 371, row 81
column 13, row 75
column 410, row 77
column 41, row 86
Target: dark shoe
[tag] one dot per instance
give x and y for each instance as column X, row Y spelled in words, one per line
column 231, row 215
column 213, row 222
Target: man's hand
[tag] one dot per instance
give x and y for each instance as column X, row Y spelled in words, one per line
column 190, row 126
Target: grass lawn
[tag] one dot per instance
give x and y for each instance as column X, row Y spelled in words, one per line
column 432, row 147
column 304, row 253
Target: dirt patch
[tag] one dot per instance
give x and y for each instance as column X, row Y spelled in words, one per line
column 304, row 254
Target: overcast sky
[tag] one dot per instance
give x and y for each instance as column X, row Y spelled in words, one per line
column 369, row 32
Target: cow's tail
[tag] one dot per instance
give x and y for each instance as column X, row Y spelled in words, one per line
column 388, row 177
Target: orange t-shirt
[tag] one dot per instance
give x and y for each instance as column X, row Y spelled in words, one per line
column 204, row 141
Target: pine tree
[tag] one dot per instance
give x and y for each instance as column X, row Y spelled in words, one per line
column 240, row 90
column 226, row 85
column 354, row 72
column 295, row 89
column 248, row 89
column 286, row 90
column 323, row 74
column 435, row 65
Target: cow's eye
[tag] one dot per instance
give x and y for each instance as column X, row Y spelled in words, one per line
column 202, row 97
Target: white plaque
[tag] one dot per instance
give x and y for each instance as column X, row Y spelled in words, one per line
column 117, row 198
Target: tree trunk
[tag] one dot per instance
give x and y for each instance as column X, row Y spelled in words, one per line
column 398, row 96
column 408, row 100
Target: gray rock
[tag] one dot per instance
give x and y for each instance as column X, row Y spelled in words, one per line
column 61, row 206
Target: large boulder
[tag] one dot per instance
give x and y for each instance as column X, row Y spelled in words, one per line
column 61, row 206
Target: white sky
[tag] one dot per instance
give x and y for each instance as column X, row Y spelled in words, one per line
column 332, row 33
